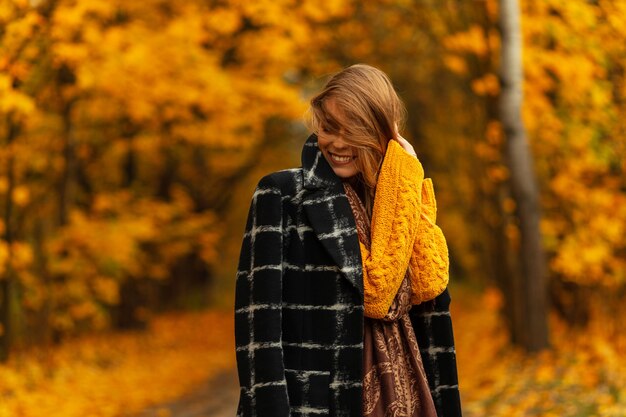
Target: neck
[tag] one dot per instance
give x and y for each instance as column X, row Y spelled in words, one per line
column 357, row 184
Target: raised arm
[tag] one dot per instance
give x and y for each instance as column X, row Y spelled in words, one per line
column 429, row 259
column 403, row 232
column 394, row 227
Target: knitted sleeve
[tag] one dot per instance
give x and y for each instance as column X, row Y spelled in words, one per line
column 403, row 232
column 429, row 259
column 394, row 228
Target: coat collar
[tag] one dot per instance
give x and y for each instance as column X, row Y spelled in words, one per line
column 329, row 212
column 317, row 171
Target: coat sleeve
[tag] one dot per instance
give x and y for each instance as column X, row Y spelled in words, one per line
column 432, row 323
column 258, row 314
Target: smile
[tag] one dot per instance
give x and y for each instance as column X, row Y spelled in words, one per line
column 341, row 158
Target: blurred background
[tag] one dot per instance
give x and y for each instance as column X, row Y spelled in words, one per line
column 132, row 134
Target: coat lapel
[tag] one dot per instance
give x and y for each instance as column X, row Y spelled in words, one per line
column 330, row 214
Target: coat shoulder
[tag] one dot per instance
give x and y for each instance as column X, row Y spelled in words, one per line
column 289, row 181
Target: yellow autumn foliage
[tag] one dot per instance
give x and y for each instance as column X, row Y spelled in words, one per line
column 583, row 375
column 132, row 371
column 123, row 125
column 127, row 126
column 109, row 375
column 572, row 102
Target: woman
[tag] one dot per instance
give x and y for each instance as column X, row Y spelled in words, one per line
column 335, row 254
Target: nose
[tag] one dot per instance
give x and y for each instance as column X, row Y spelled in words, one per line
column 339, row 141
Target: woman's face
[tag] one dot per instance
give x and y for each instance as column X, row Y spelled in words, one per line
column 337, row 152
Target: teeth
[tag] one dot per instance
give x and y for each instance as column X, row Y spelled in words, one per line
column 341, row 158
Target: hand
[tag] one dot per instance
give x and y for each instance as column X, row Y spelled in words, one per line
column 405, row 143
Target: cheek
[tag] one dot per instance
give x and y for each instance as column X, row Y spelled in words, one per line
column 323, row 141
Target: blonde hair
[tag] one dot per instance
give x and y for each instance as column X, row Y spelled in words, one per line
column 372, row 108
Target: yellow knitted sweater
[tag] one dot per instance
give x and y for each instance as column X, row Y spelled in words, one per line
column 403, row 232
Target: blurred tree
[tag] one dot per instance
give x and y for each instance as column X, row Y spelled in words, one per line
column 130, row 133
column 444, row 59
column 528, row 290
column 19, row 24
column 125, row 127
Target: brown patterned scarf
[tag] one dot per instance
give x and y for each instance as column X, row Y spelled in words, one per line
column 394, row 381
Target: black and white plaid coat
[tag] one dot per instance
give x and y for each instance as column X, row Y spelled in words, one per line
column 299, row 303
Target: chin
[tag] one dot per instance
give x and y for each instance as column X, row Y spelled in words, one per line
column 346, row 172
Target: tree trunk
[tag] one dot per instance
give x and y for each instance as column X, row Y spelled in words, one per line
column 133, row 290
column 7, row 284
column 68, row 167
column 530, row 300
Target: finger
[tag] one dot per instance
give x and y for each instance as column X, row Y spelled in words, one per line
column 402, row 140
column 407, row 145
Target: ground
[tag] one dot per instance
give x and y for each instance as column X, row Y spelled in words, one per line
column 216, row 398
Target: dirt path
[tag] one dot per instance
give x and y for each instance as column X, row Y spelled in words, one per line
column 215, row 398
